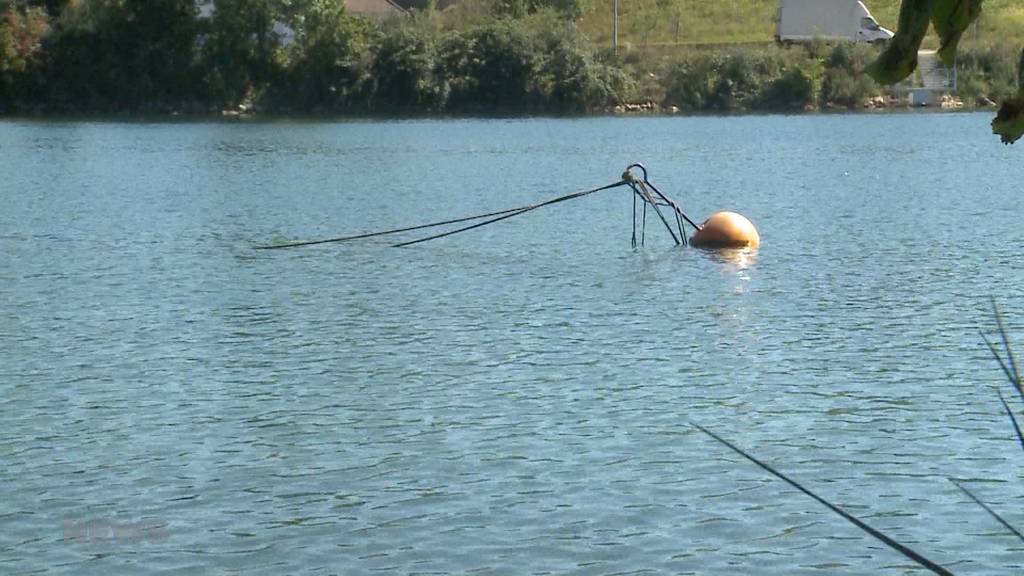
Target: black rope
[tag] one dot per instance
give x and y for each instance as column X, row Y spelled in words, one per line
column 650, row 199
column 682, row 230
column 519, row 211
column 673, row 204
column 508, row 212
column 643, row 220
column 634, row 220
column 386, row 232
column 643, row 224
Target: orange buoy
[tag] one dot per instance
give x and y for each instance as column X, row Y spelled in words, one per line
column 726, row 230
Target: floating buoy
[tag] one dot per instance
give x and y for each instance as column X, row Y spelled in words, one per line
column 726, row 230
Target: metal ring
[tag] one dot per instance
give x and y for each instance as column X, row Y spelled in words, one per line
column 640, row 166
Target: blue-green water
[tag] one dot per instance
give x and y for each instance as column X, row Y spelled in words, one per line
column 517, row 399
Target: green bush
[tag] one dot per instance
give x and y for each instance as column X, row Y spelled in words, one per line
column 764, row 79
column 117, row 56
column 235, row 53
column 853, row 57
column 688, row 83
column 989, row 70
column 844, row 83
column 569, row 77
column 21, row 56
column 489, row 68
column 844, row 89
column 329, row 65
column 738, row 81
column 404, row 67
column 794, row 90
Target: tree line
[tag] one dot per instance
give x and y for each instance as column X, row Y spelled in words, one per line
column 511, row 56
column 160, row 55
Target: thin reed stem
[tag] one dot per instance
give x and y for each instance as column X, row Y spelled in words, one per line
column 988, row 509
column 904, row 550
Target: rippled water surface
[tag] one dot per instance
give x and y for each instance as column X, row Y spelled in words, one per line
column 516, row 399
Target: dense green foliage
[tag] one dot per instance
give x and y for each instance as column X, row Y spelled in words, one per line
column 328, row 66
column 988, row 71
column 843, row 84
column 159, row 55
column 768, row 79
column 406, row 68
column 21, row 56
column 310, row 56
column 130, row 54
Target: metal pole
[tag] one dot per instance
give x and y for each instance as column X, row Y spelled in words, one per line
column 1020, row 71
column 634, row 218
column 615, row 26
column 650, row 200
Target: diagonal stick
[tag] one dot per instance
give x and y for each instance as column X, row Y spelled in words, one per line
column 921, row 560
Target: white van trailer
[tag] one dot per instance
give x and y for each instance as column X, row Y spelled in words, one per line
column 805, row 20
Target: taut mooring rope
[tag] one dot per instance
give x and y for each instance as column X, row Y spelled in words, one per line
column 500, row 215
column 385, row 232
column 522, row 210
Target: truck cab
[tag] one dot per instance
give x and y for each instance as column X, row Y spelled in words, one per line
column 870, row 31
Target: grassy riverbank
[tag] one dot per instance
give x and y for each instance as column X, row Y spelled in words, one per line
column 481, row 56
column 670, row 23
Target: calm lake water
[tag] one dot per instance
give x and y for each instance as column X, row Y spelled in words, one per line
column 516, row 399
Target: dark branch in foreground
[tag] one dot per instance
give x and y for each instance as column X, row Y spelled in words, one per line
column 1011, row 371
column 1009, row 367
column 987, row 509
column 1013, row 419
column 920, row 560
column 1015, row 377
column 995, row 352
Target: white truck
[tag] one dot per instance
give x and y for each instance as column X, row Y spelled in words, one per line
column 805, row 20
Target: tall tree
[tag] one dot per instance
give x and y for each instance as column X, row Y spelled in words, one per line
column 21, row 56
column 124, row 54
column 239, row 51
column 331, row 58
column 158, row 40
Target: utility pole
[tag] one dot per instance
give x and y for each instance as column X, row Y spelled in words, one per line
column 614, row 27
column 1020, row 70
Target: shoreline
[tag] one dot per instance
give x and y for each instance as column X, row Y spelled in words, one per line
column 270, row 117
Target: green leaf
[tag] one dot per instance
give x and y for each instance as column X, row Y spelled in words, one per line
column 1009, row 122
column 951, row 19
column 900, row 59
